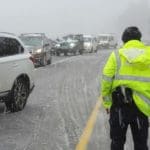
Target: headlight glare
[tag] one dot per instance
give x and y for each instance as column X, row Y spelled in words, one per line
column 72, row 44
column 38, row 51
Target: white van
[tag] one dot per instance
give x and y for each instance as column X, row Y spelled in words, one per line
column 90, row 44
column 106, row 41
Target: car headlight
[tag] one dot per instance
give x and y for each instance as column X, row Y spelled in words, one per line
column 38, row 51
column 87, row 44
column 72, row 45
column 57, row 45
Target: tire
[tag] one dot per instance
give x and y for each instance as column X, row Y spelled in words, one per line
column 49, row 61
column 75, row 53
column 65, row 54
column 57, row 53
column 18, row 96
column 81, row 52
column 91, row 51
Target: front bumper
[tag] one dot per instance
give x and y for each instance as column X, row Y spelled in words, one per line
column 63, row 50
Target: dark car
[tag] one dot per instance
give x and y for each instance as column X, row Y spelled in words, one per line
column 39, row 46
column 70, row 44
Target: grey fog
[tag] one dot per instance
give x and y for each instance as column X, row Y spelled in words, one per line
column 60, row 17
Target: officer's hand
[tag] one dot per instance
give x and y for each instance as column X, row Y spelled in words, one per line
column 108, row 111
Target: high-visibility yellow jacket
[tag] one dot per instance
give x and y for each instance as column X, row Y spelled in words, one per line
column 129, row 67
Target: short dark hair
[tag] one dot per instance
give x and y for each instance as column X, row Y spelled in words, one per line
column 131, row 33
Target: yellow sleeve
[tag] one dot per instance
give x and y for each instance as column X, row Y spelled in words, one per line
column 110, row 66
column 107, row 80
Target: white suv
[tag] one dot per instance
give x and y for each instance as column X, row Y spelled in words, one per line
column 16, row 72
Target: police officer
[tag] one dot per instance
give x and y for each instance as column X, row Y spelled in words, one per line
column 126, row 90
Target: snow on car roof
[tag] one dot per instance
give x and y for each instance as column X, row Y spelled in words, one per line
column 7, row 34
column 33, row 34
column 87, row 36
column 105, row 35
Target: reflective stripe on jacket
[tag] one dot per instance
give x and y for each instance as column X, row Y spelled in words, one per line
column 129, row 67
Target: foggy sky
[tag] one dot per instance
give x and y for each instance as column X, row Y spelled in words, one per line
column 59, row 17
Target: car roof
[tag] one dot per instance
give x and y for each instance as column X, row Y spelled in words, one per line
column 32, row 34
column 105, row 35
column 9, row 35
column 87, row 36
column 13, row 36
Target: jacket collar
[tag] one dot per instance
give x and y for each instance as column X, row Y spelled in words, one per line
column 133, row 43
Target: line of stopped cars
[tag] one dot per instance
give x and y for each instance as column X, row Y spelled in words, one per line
column 42, row 48
column 75, row 44
column 20, row 55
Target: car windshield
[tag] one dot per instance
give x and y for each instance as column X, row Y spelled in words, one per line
column 31, row 40
column 106, row 38
column 87, row 39
column 103, row 38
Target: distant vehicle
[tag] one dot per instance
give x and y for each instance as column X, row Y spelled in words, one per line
column 106, row 41
column 39, row 46
column 17, row 72
column 90, row 44
column 146, row 42
column 52, row 46
column 70, row 44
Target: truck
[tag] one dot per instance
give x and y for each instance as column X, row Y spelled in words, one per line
column 90, row 44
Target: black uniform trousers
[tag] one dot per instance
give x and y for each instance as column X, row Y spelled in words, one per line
column 138, row 122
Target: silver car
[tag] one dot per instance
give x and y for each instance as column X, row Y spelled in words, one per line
column 38, row 45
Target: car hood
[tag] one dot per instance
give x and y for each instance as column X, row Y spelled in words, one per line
column 87, row 43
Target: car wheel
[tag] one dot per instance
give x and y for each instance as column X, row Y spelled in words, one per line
column 18, row 96
column 75, row 53
column 49, row 61
column 81, row 51
column 57, row 53
column 65, row 53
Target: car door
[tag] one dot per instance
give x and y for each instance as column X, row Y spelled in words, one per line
column 10, row 63
column 5, row 65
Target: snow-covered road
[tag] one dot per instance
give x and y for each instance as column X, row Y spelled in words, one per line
column 58, row 109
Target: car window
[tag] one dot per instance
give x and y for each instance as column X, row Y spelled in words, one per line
column 87, row 39
column 9, row 46
column 32, row 40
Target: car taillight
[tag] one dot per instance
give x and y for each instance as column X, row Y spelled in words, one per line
column 32, row 59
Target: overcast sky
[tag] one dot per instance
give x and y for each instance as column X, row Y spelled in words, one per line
column 59, row 17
